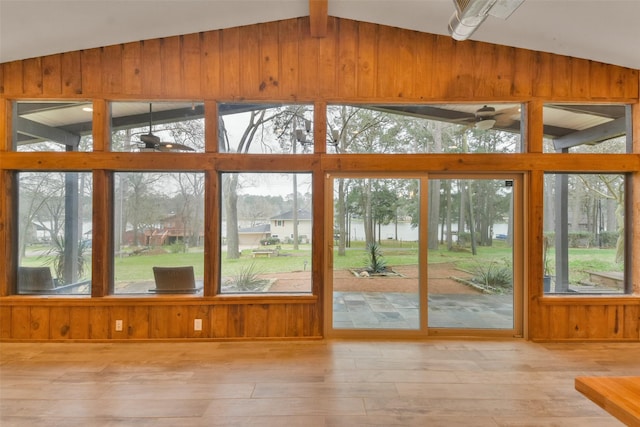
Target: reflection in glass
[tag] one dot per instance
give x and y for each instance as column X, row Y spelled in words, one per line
column 54, row 232
column 158, row 221
column 53, row 126
column 175, row 127
column 588, row 128
column 451, row 128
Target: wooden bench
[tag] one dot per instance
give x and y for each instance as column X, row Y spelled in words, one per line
column 264, row 253
column 619, row 396
column 611, row 279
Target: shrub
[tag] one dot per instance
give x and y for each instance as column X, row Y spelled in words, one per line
column 580, row 239
column 493, row 275
column 177, row 247
column 57, row 257
column 377, row 264
column 269, row 241
column 247, row 279
column 608, row 239
column 464, row 238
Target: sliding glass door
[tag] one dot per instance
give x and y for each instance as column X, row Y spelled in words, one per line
column 425, row 255
column 472, row 273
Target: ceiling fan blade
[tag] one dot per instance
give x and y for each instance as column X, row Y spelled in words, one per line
column 172, row 146
column 485, row 124
column 507, row 116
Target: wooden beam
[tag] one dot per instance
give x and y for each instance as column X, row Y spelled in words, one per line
column 592, row 135
column 318, row 13
column 38, row 130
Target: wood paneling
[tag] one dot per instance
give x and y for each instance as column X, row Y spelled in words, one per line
column 328, row 72
column 522, row 85
column 366, row 71
column 99, row 322
column 58, row 320
column 269, row 55
column 211, row 74
column 444, row 55
column 387, row 61
column 282, row 62
column 151, row 72
column 71, row 73
column 171, row 67
column 91, row 61
column 587, row 319
column 13, row 76
column 51, row 74
column 230, row 64
column 32, row 76
column 289, row 72
column 112, row 63
column 543, row 74
column 5, row 322
column 79, row 322
column 308, row 61
column 348, row 58
column 131, row 69
column 191, row 65
column 465, row 62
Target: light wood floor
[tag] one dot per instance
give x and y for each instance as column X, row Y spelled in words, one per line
column 309, row 383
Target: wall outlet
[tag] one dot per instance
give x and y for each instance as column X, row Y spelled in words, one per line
column 118, row 325
column 197, row 324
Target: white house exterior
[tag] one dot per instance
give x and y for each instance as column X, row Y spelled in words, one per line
column 282, row 226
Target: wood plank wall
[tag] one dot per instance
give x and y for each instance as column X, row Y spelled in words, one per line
column 280, row 61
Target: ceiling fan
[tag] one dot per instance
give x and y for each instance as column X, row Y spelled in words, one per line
column 151, row 142
column 487, row 117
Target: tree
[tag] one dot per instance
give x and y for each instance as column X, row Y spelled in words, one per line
column 609, row 187
column 139, row 202
column 189, row 203
column 41, row 202
column 265, row 126
column 358, row 130
column 384, row 202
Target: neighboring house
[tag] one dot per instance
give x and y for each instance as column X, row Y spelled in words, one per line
column 251, row 236
column 172, row 229
column 282, row 226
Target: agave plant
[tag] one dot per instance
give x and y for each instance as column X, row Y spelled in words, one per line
column 247, row 279
column 377, row 264
column 57, row 258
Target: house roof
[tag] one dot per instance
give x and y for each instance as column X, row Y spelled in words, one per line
column 601, row 30
column 303, row 214
column 262, row 228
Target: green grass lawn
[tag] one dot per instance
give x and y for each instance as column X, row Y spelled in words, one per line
column 395, row 253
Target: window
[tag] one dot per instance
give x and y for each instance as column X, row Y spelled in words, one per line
column 158, row 222
column 584, row 247
column 266, row 129
column 54, row 232
column 176, row 127
column 452, row 128
column 590, row 128
column 53, row 126
column 252, row 259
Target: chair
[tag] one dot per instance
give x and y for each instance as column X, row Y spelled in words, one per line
column 174, row 280
column 35, row 280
